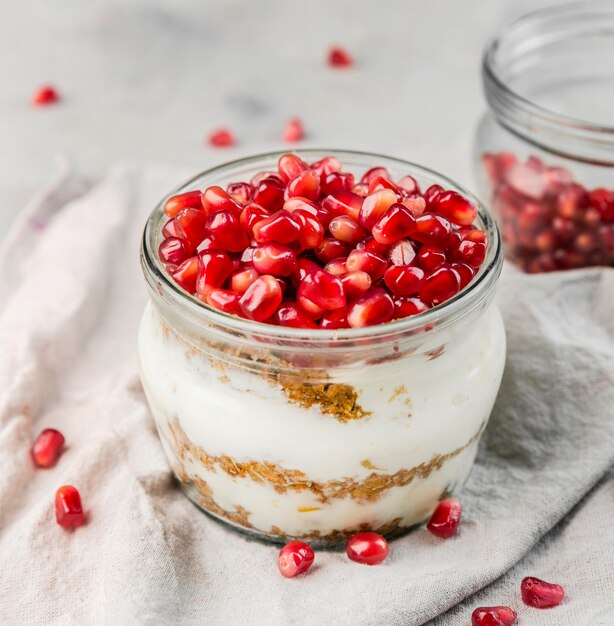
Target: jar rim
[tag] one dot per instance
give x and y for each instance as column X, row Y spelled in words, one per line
column 538, row 124
column 465, row 301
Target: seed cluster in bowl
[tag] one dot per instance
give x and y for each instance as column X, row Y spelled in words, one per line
column 310, row 246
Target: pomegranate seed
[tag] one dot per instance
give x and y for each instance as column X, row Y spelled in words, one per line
column 540, row 594
column 409, row 185
column 250, row 216
column 432, row 229
column 326, row 166
column 431, row 257
column 241, row 193
column 221, row 138
column 224, row 300
column 375, row 307
column 367, row 547
column 290, row 315
column 339, row 58
column 305, row 185
column 355, row 284
column 192, row 226
column 397, row 223
column 361, row 189
column 464, row 272
column 337, row 181
column 375, row 172
column 473, row 254
column 445, row 518
column 302, row 204
column 170, row 229
column 404, row 280
column 415, row 206
column 381, row 182
column 370, row 245
column 402, row 253
column 294, row 130
column 174, row 250
column 346, row 229
column 374, row 206
column 45, row 95
column 365, row 261
column 493, row 616
column 275, row 259
column 311, row 231
column 455, row 208
column 68, row 509
column 331, row 248
column 269, row 194
column 295, row 558
column 303, row 267
column 343, row 203
column 208, row 243
column 431, row 194
column 187, row 200
column 334, row 320
column 279, row 227
column 336, row 267
column 404, row 306
column 214, row 268
column 47, row 447
column 216, row 199
column 261, row 299
column 185, row 275
column 242, row 279
column 439, row 286
column 323, row 289
column 225, row 227
column 290, row 166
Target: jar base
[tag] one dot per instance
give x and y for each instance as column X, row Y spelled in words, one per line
column 335, row 542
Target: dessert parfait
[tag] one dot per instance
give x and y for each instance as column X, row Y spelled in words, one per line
column 321, row 352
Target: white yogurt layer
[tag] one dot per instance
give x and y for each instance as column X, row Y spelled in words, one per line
column 419, row 409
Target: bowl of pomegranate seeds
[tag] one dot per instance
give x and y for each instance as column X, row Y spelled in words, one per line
column 321, row 351
column 545, row 149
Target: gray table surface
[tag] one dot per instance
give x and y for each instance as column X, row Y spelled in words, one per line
column 146, row 80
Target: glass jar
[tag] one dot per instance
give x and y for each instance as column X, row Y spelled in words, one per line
column 544, row 152
column 314, row 434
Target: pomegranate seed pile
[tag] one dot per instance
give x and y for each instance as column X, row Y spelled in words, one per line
column 309, row 246
column 549, row 221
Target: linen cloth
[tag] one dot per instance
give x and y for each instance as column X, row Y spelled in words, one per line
column 540, row 500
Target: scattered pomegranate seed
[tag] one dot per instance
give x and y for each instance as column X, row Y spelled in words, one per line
column 493, row 616
column 445, row 518
column 295, row 558
column 540, row 594
column 221, row 138
column 339, row 57
column 68, row 509
column 47, row 447
column 45, row 95
column 246, row 248
column 294, row 130
column 367, row 547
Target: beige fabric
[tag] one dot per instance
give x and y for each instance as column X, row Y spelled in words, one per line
column 538, row 502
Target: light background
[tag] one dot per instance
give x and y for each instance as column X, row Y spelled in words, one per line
column 146, row 80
